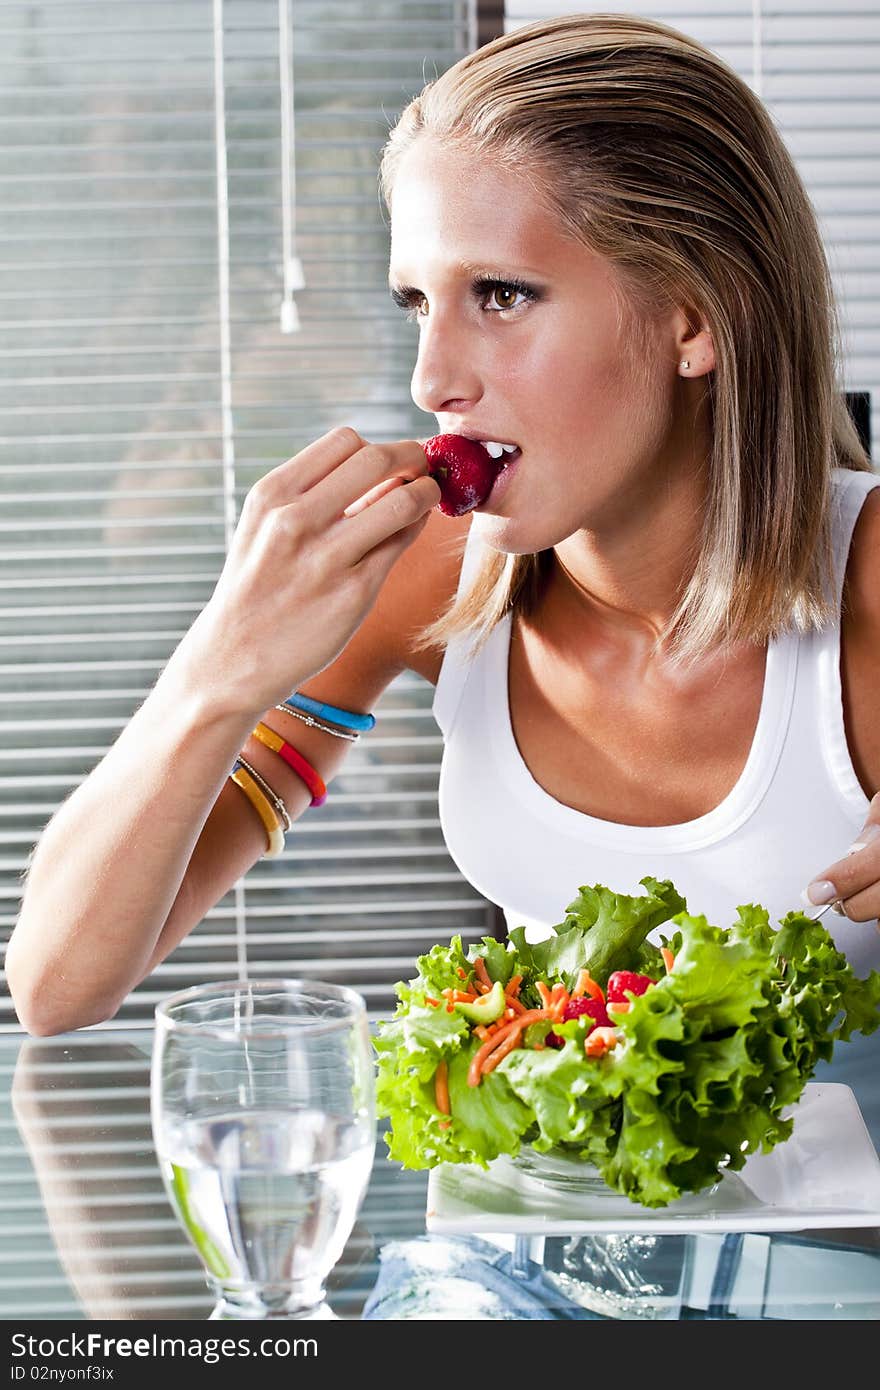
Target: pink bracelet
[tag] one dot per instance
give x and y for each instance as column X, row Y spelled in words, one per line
column 300, row 765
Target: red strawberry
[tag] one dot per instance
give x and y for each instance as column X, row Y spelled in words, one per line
column 626, row 980
column 593, row 1008
column 463, row 471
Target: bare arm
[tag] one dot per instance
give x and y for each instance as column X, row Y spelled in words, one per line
column 155, row 835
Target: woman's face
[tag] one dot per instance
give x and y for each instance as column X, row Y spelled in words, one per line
column 519, row 342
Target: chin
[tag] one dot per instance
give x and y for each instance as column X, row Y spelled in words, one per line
column 516, row 536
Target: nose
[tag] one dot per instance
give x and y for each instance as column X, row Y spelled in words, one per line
column 446, row 376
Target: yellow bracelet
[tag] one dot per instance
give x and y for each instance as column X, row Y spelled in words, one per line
column 269, row 792
column 270, row 817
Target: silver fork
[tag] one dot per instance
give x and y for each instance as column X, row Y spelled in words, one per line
column 822, row 910
column 835, row 902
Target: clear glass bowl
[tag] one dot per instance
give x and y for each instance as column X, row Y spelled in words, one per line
column 561, row 1171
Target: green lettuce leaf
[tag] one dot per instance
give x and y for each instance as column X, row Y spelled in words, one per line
column 602, row 932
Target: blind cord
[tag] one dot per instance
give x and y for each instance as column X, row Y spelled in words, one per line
column 293, row 275
column 757, row 48
column 227, row 422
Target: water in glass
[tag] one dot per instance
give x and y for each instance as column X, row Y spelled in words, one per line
column 265, row 1133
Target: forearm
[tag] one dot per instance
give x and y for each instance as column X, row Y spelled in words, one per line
column 108, row 868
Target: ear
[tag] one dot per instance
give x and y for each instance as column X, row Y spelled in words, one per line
column 694, row 348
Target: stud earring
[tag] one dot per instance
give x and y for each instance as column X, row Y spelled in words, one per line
column 685, row 366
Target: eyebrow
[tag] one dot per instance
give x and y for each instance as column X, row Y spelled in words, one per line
column 475, row 270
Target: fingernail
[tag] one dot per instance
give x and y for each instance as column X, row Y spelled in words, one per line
column 821, row 891
column 866, row 836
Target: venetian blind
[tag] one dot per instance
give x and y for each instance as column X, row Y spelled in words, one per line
column 816, row 66
column 166, row 169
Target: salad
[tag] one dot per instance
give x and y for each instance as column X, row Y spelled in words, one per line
column 660, row 1065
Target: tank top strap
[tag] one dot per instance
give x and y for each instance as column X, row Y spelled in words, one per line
column 457, row 657
column 849, row 490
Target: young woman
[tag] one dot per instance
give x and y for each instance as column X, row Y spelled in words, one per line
column 663, row 650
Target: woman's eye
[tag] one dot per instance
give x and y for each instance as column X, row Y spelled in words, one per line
column 503, row 297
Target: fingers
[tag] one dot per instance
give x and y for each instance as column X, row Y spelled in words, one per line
column 362, row 472
column 373, row 525
column 335, row 472
column 373, row 495
column 312, row 464
column 854, row 881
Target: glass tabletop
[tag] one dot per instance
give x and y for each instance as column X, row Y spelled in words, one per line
column 87, row 1232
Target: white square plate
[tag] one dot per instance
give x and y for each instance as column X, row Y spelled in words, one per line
column 826, row 1175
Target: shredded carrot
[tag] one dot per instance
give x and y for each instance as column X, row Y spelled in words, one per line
column 510, row 1042
column 545, row 994
column 479, row 1058
column 481, row 972
column 463, row 996
column 621, row 1006
column 435, row 1003
column 560, row 1000
column 450, row 1008
column 462, row 974
column 668, row 958
column 515, row 1005
column 513, row 985
column 600, row 1041
column 587, row 985
column 482, row 1032
column 441, row 1088
column 443, row 1124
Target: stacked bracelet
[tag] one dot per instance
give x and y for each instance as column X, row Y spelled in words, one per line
column 300, row 765
column 267, row 806
column 269, row 792
column 343, row 717
column 316, row 724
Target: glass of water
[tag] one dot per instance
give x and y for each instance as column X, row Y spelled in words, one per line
column 264, row 1125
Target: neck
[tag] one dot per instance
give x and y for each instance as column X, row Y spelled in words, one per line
column 626, row 575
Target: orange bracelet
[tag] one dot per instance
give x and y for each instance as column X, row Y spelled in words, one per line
column 268, row 813
column 301, row 767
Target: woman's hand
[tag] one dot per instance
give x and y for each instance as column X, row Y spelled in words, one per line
column 854, row 882
column 306, row 565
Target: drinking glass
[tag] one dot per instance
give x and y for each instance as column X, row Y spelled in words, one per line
column 264, row 1125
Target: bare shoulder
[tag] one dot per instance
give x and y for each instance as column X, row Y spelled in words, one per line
column 863, row 568
column 860, row 656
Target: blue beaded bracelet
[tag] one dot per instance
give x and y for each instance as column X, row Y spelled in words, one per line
column 343, row 717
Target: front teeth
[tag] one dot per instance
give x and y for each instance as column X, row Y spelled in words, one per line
column 495, row 450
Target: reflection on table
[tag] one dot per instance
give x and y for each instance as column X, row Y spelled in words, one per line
column 87, row 1232
column 86, row 1229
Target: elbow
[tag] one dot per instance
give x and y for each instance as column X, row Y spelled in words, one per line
column 43, row 1013
column 42, row 1018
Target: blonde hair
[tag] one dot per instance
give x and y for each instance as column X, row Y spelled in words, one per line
column 655, row 155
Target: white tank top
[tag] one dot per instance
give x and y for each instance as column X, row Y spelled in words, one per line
column 796, row 808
